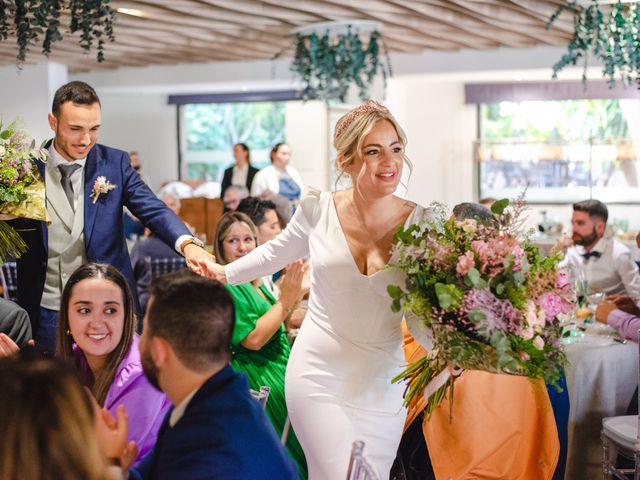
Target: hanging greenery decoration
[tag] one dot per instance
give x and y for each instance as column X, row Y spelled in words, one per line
column 38, row 21
column 608, row 33
column 329, row 64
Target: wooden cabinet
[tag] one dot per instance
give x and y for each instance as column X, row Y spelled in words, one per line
column 202, row 214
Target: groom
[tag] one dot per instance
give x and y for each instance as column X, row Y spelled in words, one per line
column 87, row 186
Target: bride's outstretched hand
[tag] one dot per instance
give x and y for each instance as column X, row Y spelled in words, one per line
column 210, row 269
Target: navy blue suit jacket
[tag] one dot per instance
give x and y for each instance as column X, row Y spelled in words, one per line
column 103, row 227
column 224, row 434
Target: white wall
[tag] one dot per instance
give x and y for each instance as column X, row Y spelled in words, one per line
column 306, row 132
column 27, row 93
column 146, row 123
column 440, row 129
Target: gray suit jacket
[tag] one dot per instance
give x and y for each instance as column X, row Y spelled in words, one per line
column 14, row 321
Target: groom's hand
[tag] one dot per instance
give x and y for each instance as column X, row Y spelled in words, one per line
column 203, row 263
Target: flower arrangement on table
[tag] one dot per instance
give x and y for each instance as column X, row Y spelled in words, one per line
column 484, row 295
column 22, row 191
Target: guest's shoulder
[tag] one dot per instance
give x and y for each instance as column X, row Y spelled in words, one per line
column 7, row 307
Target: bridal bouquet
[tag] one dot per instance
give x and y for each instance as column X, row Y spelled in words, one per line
column 22, row 192
column 485, row 297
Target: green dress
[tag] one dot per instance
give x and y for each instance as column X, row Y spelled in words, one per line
column 265, row 366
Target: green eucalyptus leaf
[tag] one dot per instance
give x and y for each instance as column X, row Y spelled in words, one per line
column 395, row 291
column 499, row 206
column 475, row 279
column 449, row 296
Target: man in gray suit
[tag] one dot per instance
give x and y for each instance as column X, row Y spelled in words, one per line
column 14, row 322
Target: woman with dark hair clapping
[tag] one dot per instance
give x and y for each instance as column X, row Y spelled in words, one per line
column 96, row 332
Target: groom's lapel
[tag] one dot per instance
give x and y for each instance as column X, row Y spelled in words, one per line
column 94, row 167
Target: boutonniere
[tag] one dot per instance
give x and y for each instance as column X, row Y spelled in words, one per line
column 101, row 185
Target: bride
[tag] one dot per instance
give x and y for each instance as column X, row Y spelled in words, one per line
column 338, row 380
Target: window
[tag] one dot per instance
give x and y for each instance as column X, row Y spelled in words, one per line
column 211, row 130
column 560, row 151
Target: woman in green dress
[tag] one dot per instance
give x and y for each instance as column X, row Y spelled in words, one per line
column 260, row 345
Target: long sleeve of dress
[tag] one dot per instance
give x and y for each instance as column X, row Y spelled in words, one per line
column 290, row 245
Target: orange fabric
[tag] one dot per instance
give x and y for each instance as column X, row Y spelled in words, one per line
column 502, row 427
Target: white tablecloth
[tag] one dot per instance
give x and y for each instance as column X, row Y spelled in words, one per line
column 602, row 377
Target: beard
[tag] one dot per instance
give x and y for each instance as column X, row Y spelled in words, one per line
column 149, row 368
column 585, row 240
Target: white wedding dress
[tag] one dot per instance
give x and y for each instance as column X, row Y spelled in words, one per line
column 338, row 381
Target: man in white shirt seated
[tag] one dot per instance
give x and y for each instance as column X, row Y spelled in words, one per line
column 607, row 264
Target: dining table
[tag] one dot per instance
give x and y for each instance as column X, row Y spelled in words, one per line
column 602, row 377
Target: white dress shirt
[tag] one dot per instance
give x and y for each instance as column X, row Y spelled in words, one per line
column 239, row 176
column 178, row 412
column 614, row 272
column 77, row 177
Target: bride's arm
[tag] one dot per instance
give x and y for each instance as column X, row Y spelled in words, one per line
column 273, row 256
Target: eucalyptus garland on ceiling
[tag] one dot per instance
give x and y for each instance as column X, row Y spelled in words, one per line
column 35, row 21
column 328, row 65
column 609, row 33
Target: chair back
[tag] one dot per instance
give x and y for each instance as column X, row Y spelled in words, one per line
column 359, row 468
column 10, row 281
column 160, row 266
column 261, row 396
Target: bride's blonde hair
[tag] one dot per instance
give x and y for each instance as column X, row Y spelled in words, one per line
column 354, row 126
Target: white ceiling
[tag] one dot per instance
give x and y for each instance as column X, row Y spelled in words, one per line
column 167, row 32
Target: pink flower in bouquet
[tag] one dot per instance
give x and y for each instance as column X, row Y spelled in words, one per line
column 498, row 314
column 481, row 249
column 526, row 333
column 524, row 356
column 518, row 253
column 465, row 263
column 562, row 281
column 553, row 304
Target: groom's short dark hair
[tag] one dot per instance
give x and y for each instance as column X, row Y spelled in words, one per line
column 74, row 92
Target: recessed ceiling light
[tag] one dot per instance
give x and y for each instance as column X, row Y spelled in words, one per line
column 132, row 11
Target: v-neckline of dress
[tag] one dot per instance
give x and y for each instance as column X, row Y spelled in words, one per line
column 346, row 241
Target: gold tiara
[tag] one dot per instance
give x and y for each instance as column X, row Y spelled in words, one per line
column 365, row 107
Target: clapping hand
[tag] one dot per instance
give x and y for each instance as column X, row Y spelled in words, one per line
column 9, row 347
column 112, row 435
column 291, row 287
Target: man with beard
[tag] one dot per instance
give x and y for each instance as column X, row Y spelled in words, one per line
column 607, row 264
column 216, row 430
